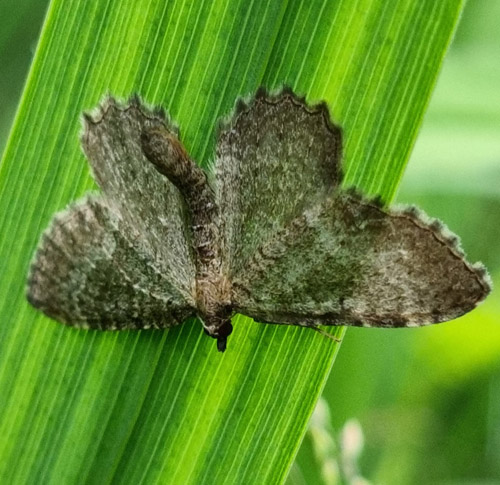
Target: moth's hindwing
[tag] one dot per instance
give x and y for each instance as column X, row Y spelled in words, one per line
column 348, row 262
column 90, row 271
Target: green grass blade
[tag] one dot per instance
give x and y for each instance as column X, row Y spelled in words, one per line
column 148, row 407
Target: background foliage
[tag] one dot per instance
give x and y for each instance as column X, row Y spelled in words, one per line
column 412, row 392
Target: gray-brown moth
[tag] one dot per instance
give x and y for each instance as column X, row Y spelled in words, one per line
column 265, row 231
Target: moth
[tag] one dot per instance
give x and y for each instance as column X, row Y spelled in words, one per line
column 265, row 230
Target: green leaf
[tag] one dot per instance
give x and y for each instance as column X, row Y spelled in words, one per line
column 132, row 407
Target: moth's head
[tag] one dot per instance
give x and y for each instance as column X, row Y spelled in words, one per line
column 219, row 329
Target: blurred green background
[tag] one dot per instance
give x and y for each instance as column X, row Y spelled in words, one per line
column 425, row 402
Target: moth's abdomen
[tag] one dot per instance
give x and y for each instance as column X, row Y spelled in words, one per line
column 170, row 158
column 164, row 150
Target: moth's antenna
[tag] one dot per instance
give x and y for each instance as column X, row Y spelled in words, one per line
column 318, row 329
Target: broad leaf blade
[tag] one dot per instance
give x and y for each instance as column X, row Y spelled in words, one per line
column 165, row 407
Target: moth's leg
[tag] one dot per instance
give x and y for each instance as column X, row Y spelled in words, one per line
column 318, row 329
column 313, row 326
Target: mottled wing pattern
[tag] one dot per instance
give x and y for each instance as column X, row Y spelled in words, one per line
column 89, row 272
column 275, row 158
column 148, row 202
column 348, row 262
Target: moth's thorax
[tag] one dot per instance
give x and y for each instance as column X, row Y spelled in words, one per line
column 213, row 289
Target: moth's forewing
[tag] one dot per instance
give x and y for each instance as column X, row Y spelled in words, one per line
column 148, row 202
column 274, row 158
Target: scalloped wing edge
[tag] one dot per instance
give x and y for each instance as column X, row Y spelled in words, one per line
column 438, row 228
column 153, row 112
column 273, row 96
